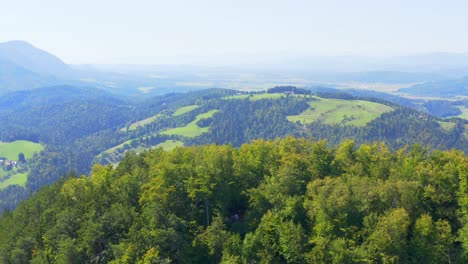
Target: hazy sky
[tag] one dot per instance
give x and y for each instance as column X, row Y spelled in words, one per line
column 143, row 31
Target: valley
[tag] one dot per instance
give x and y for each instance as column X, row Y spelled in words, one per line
column 230, row 164
column 79, row 127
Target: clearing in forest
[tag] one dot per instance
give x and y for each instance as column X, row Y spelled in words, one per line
column 342, row 112
column 185, row 109
column 191, row 129
column 10, row 150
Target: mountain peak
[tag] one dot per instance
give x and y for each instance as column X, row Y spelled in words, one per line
column 17, row 43
column 26, row 55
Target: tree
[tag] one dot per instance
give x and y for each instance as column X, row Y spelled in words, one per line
column 387, row 242
column 21, row 158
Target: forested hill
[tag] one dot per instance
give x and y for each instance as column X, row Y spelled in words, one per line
column 282, row 201
column 79, row 127
column 59, row 114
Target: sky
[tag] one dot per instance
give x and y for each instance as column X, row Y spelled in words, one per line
column 176, row 31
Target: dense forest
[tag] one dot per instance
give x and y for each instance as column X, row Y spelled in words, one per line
column 76, row 125
column 282, row 201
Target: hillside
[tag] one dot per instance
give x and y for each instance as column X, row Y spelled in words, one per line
column 80, row 126
column 240, row 118
column 343, row 112
column 283, row 201
column 72, row 111
column 441, row 89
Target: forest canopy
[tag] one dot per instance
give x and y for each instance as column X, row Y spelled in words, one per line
column 282, row 201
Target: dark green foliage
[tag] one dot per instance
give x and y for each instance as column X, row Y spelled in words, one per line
column 78, row 124
column 283, row 201
column 288, row 89
column 442, row 108
column 240, row 121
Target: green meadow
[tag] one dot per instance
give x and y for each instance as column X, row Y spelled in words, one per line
column 170, row 144
column 142, row 123
column 15, row 179
column 191, row 129
column 464, row 113
column 10, row 150
column 447, row 125
column 336, row 111
column 185, row 109
column 149, row 120
column 116, row 148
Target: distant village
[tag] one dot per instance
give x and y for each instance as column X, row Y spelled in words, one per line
column 8, row 164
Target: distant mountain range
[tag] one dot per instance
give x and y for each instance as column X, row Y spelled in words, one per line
column 25, row 55
column 25, row 67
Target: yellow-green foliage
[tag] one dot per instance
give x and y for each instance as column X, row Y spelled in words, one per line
column 283, row 201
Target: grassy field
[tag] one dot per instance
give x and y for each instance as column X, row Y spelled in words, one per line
column 255, row 97
column 260, row 96
column 239, row 96
column 12, row 149
column 191, row 129
column 345, row 112
column 15, row 179
column 185, row 109
column 154, row 118
column 142, row 123
column 464, row 113
column 116, row 148
column 170, row 144
column 447, row 125
column 2, row 173
column 119, row 151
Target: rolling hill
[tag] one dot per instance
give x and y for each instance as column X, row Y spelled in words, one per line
column 240, row 118
column 441, row 89
column 82, row 126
